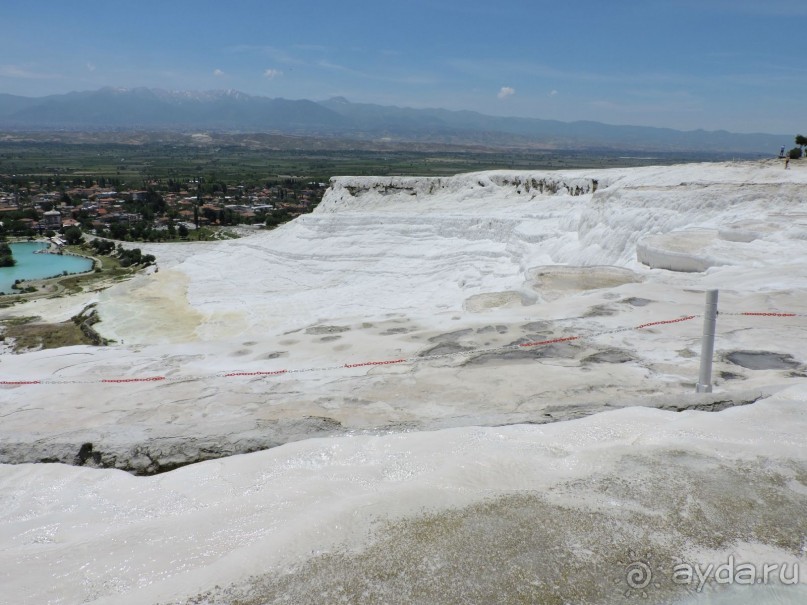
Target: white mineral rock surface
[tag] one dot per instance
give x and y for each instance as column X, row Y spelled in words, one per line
column 389, row 487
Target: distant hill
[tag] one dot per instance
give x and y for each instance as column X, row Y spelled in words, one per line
column 143, row 108
column 233, row 111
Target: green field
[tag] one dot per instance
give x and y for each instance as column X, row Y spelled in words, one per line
column 246, row 160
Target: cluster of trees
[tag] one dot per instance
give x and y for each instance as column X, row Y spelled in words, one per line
column 134, row 256
column 144, row 232
column 88, row 181
column 277, row 216
column 127, row 257
column 148, row 206
column 13, row 222
column 6, row 258
column 222, row 216
column 798, row 151
column 104, row 247
column 55, row 183
column 73, row 236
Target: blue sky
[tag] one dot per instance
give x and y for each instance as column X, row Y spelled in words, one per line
column 739, row 65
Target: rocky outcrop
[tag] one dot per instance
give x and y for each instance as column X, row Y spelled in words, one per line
column 141, row 454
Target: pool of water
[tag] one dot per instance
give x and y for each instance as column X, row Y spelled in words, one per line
column 38, row 266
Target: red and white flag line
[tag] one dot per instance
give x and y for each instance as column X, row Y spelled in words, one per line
column 267, row 373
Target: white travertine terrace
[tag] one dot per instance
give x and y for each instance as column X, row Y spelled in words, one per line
column 390, row 268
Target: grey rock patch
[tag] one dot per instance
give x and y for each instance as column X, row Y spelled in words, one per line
column 600, row 311
column 150, row 451
column 635, row 301
column 609, row 356
column 530, row 338
column 448, row 348
column 275, row 354
column 356, row 401
column 500, row 328
column 392, row 331
column 330, row 338
column 240, row 353
column 762, row 360
column 704, row 402
column 143, row 454
column 536, row 326
column 318, row 330
column 712, row 403
column 449, row 337
column 556, row 351
column 86, row 456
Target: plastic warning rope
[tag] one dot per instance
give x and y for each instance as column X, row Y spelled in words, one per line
column 465, row 353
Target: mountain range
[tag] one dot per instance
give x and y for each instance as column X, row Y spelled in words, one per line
column 234, row 111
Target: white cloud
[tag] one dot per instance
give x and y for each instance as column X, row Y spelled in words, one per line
column 553, row 92
column 272, row 73
column 90, row 67
column 505, row 92
column 218, row 73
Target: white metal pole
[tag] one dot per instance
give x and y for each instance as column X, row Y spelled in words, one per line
column 708, row 343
